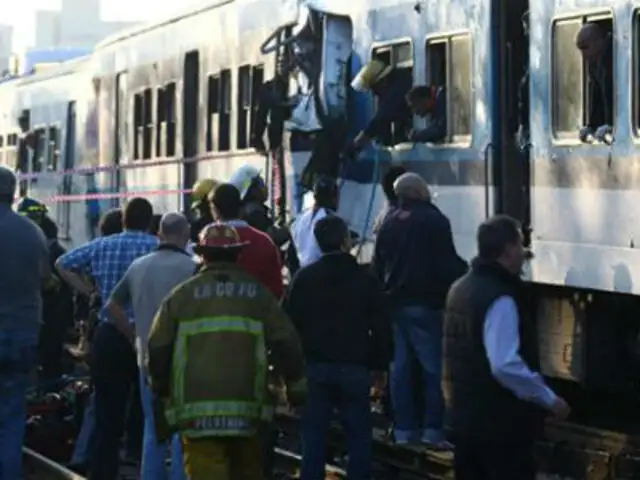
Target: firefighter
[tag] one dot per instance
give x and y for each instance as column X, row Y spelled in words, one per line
column 254, row 193
column 218, row 406
column 200, row 206
column 57, row 303
column 390, row 86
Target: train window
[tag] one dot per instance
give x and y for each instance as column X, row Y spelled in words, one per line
column 636, row 72
column 257, row 79
column 449, row 65
column 161, row 122
column 11, row 151
column 53, row 151
column 581, row 94
column 244, row 107
column 38, row 158
column 171, row 119
column 213, row 109
column 137, row 126
column 147, row 104
column 400, row 57
column 224, row 132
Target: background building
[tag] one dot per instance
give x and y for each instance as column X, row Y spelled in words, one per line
column 60, row 35
column 6, row 48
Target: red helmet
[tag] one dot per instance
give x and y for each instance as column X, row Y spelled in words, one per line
column 219, row 235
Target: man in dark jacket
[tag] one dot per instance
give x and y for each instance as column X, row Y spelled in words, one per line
column 341, row 316
column 416, row 260
column 493, row 395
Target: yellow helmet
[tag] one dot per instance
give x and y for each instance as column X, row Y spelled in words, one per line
column 201, row 189
column 370, row 74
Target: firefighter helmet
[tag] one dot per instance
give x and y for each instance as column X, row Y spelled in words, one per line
column 201, row 189
column 244, row 178
column 220, row 235
column 30, row 207
column 370, row 75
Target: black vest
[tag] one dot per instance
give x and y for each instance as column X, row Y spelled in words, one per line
column 477, row 405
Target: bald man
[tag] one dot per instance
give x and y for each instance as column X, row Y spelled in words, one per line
column 147, row 282
column 416, row 261
column 596, row 48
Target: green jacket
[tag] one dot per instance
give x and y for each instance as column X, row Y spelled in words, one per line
column 207, row 353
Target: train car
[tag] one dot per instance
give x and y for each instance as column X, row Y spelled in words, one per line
column 178, row 100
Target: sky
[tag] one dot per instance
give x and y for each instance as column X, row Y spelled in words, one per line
column 21, row 14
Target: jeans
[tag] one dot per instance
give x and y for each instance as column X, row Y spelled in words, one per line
column 154, row 453
column 82, row 448
column 135, row 424
column 113, row 370
column 417, row 332
column 18, row 357
column 344, row 388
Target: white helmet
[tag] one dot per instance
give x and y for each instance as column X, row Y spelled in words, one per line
column 243, row 178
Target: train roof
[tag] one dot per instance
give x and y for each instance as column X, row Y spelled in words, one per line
column 63, row 68
column 173, row 18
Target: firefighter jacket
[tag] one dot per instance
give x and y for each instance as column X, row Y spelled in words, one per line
column 207, row 353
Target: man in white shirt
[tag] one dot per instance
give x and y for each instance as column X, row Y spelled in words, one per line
column 494, row 396
column 146, row 283
column 325, row 193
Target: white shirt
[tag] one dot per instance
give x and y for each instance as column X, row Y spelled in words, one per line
column 303, row 238
column 502, row 343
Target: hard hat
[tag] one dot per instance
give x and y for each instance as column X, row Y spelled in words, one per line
column 370, row 74
column 325, row 186
column 244, row 177
column 201, row 189
column 219, row 235
column 29, row 206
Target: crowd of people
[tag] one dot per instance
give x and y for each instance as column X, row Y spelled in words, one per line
column 188, row 325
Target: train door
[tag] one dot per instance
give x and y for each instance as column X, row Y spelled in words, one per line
column 511, row 169
column 121, row 140
column 64, row 221
column 190, row 103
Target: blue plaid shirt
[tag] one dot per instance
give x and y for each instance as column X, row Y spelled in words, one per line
column 107, row 259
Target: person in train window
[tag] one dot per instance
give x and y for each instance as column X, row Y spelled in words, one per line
column 597, row 50
column 199, row 205
column 494, row 396
column 254, row 193
column 429, row 101
column 390, row 86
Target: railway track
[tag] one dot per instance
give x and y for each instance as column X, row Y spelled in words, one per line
column 38, row 467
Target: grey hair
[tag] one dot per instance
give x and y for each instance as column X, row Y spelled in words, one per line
column 174, row 225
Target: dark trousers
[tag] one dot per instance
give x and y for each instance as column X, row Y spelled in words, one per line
column 135, row 423
column 483, row 459
column 344, row 388
column 50, row 351
column 113, row 369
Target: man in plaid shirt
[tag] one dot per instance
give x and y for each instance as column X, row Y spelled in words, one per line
column 113, row 359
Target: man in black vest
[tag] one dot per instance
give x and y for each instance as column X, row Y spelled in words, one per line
column 493, row 397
